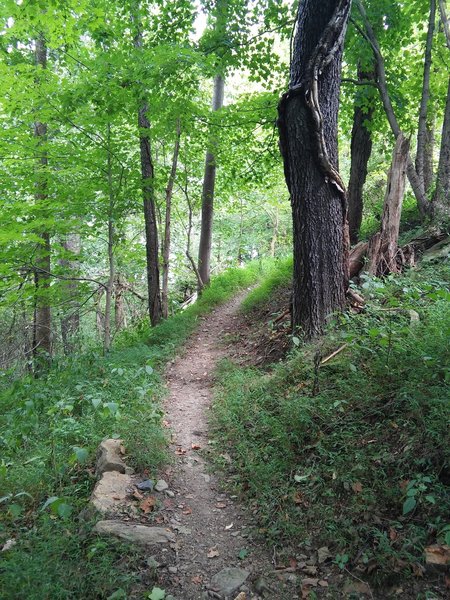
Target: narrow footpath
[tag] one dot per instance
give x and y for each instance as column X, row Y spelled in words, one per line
column 215, row 555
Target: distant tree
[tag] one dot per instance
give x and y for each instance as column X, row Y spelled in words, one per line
column 307, row 123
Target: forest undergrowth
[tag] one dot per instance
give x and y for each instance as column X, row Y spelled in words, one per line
column 51, row 427
column 348, row 451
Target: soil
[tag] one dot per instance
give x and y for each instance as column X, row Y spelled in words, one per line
column 214, row 532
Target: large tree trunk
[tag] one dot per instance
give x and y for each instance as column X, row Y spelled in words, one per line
column 70, row 323
column 361, row 149
column 209, row 179
column 42, row 327
column 167, row 225
column 423, row 138
column 308, row 141
column 383, row 246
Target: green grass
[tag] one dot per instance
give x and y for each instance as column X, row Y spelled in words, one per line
column 336, row 468
column 50, row 429
column 278, row 275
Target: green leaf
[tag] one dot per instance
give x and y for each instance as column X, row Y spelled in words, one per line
column 409, row 505
column 64, row 510
column 119, row 594
column 81, row 454
column 49, row 502
column 148, row 369
column 243, row 553
column 96, row 402
column 15, row 510
column 157, row 594
column 296, row 341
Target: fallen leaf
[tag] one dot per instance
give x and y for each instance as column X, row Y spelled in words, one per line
column 298, row 498
column 309, row 582
column 437, row 554
column 212, row 553
column 228, row 527
column 148, row 504
column 137, row 495
column 221, row 505
column 187, row 511
column 293, row 563
column 180, row 451
column 393, row 535
column 8, row 544
column 357, row 487
column 418, row 570
column 195, row 446
column 241, row 596
column 197, row 579
column 323, row 583
column 166, row 423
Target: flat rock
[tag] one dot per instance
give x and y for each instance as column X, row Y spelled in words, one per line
column 228, row 580
column 109, row 457
column 111, row 492
column 161, row 485
column 134, row 533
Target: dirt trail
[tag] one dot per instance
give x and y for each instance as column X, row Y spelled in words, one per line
column 212, row 528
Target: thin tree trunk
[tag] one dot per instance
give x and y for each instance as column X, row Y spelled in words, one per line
column 209, row 179
column 361, row 149
column 167, row 225
column 416, row 183
column 383, row 247
column 273, row 241
column 148, row 193
column 428, row 169
column 423, row 145
column 308, row 141
column 70, row 323
column 42, row 341
column 111, row 261
column 441, row 197
column 120, row 317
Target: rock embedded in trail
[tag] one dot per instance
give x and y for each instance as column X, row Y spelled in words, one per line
column 110, row 493
column 134, row 533
column 146, row 485
column 228, row 580
column 161, row 485
column 109, row 457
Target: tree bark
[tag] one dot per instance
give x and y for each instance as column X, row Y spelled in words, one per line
column 361, row 149
column 70, row 323
column 441, row 197
column 120, row 317
column 308, row 141
column 423, row 139
column 111, row 258
column 383, row 246
column 148, row 192
column 167, row 225
column 209, row 179
column 42, row 326
column 415, row 181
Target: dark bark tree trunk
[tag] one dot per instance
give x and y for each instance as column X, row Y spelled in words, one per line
column 428, row 170
column 209, row 179
column 423, row 139
column 70, row 323
column 308, row 141
column 383, row 246
column 148, row 192
column 111, row 257
column 42, row 326
column 167, row 225
column 361, row 149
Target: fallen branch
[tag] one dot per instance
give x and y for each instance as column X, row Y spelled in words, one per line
column 333, row 354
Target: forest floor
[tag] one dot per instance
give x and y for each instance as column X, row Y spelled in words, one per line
column 214, row 532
